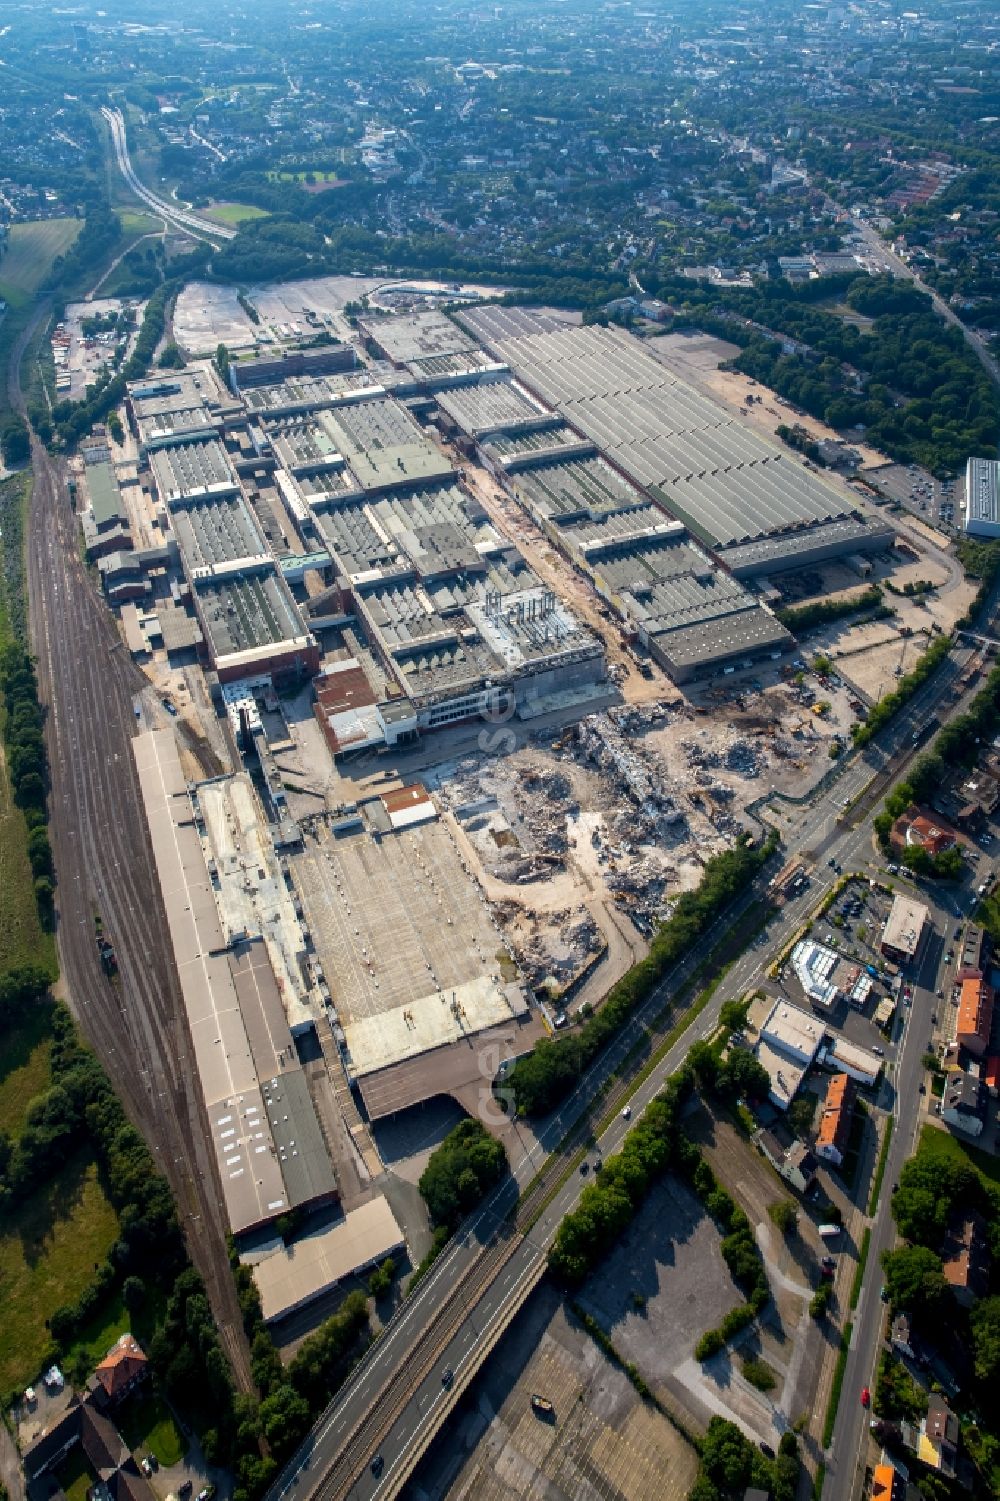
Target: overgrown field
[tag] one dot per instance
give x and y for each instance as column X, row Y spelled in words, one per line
column 31, row 250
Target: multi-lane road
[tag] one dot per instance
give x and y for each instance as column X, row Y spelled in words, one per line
column 174, row 213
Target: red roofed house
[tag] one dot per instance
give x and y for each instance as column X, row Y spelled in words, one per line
column 914, row 828
column 122, row 1369
column 975, row 1016
column 835, row 1122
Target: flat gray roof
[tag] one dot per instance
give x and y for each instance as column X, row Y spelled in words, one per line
column 414, row 336
column 216, row 529
column 105, row 496
column 493, row 324
column 383, row 444
column 579, row 489
column 191, row 468
column 246, row 611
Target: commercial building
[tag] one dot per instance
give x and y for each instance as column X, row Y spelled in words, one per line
column 904, row 930
column 414, row 336
column 269, row 369
column 264, row 1133
column 846, row 1057
column 975, row 1015
column 755, row 507
column 788, row 1043
column 814, row 968
column 294, row 1276
column 982, row 498
column 835, row 1120
column 104, row 520
column 181, row 405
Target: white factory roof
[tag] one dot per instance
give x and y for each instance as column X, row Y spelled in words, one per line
column 904, row 925
column 790, row 1029
column 982, row 495
column 847, row 1057
column 813, row 965
column 785, row 1075
column 295, row 1275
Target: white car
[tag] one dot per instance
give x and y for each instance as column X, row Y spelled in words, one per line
column 627, row 1113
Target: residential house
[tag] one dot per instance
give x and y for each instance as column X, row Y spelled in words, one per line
column 964, row 1103
column 938, row 1444
column 917, row 829
column 975, row 1016
column 887, row 1484
column 965, row 1258
column 121, row 1370
column 835, row 1121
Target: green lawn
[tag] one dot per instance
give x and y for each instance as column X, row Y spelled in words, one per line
column 75, row 1475
column 24, row 1066
column 234, row 213
column 109, row 1322
column 145, row 1423
column 135, row 224
column 937, row 1143
column 31, row 250
column 49, row 1249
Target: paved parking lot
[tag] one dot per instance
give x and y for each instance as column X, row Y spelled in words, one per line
column 603, row 1443
column 916, row 489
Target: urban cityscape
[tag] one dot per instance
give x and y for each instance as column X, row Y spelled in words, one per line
column 499, row 752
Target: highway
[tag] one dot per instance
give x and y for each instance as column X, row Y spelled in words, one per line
column 179, row 217
column 395, row 1401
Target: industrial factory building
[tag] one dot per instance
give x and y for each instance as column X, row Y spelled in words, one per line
column 757, row 509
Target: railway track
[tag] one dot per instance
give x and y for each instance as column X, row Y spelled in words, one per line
column 103, row 863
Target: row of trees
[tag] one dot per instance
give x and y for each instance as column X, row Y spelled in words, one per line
column 889, row 706
column 552, row 1070
column 74, row 419
column 801, row 618
column 609, row 1204
column 26, row 764
column 15, row 444
column 289, row 1398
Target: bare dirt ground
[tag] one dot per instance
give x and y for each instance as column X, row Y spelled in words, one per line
column 603, row 1441
column 696, row 357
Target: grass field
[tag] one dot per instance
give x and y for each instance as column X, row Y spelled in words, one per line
column 24, row 1067
column 135, row 224
column 234, row 213
column 30, row 253
column 145, row 1423
column 939, row 1144
column 49, row 1248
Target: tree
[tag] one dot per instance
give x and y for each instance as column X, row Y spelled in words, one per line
column 467, row 1163
column 985, row 1322
column 914, row 1279
column 15, row 443
column 222, row 362
column 115, row 428
column 784, row 1216
column 284, row 1419
column 133, row 1294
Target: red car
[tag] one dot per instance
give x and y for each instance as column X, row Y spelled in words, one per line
column 866, row 1397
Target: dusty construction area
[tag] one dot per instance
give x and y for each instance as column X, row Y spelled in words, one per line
column 602, row 1440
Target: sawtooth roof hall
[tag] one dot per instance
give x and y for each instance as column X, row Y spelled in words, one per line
column 757, row 508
